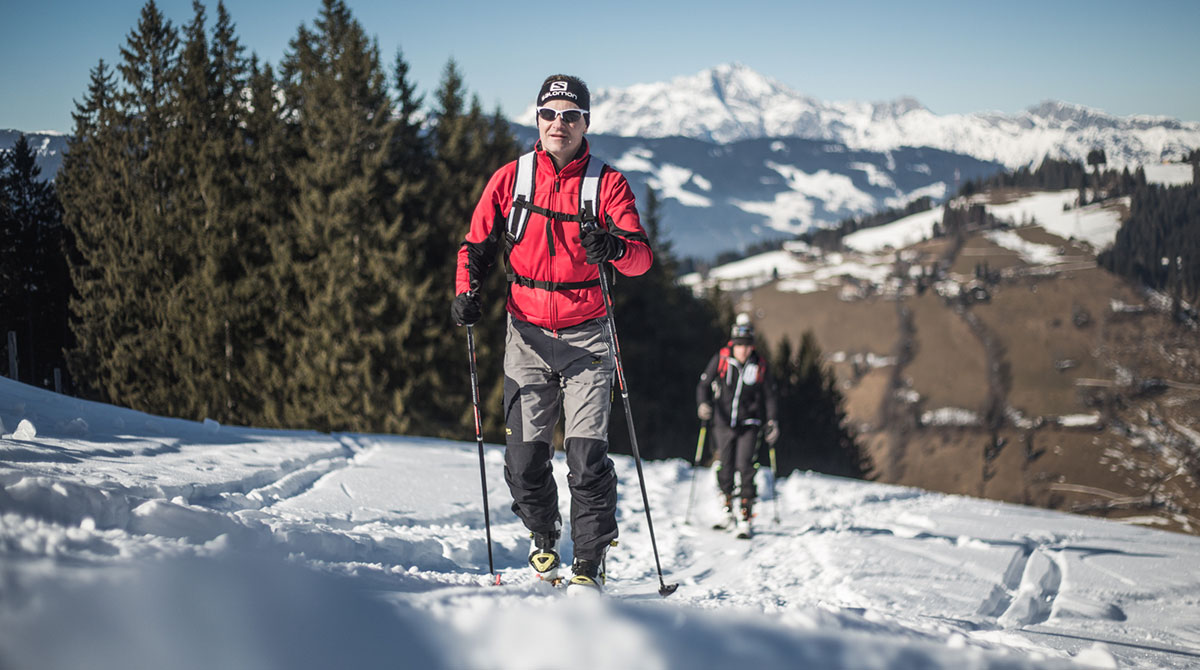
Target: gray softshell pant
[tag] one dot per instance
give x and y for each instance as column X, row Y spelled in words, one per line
column 548, row 373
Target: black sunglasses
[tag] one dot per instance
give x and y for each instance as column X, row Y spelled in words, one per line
column 569, row 116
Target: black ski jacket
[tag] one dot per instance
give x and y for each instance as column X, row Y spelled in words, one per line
column 742, row 394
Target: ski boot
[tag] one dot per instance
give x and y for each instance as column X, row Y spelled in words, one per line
column 728, row 520
column 543, row 555
column 587, row 577
column 744, row 531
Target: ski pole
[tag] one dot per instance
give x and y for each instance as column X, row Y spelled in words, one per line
column 487, row 521
column 695, row 463
column 774, row 496
column 614, row 348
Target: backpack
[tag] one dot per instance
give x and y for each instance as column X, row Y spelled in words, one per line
column 755, row 369
column 522, row 207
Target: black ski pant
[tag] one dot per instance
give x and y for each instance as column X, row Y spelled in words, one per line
column 737, row 451
column 548, row 373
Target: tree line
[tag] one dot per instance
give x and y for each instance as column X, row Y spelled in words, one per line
column 35, row 284
column 275, row 246
column 270, row 248
column 1158, row 244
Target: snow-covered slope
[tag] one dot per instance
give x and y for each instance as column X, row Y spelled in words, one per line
column 134, row 541
column 732, row 102
column 870, row 252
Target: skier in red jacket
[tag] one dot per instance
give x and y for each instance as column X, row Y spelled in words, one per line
column 558, row 215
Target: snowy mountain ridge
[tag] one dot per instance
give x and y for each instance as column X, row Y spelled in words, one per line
column 732, row 102
column 48, row 146
column 724, row 196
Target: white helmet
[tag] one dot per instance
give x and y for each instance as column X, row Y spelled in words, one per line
column 742, row 331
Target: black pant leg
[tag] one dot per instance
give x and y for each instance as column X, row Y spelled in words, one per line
column 746, row 459
column 592, row 479
column 724, row 441
column 528, row 469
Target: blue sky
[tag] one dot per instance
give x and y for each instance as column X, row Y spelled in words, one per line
column 955, row 57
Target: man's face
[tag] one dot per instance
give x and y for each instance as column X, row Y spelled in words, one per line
column 559, row 138
column 741, row 352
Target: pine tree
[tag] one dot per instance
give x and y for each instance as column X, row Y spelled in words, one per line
column 118, row 201
column 1159, row 243
column 210, row 213
column 401, row 301
column 339, row 117
column 416, row 296
column 198, row 218
column 94, row 206
column 9, row 263
column 151, row 258
column 237, row 237
column 467, row 147
column 260, row 324
column 32, row 266
column 667, row 336
column 155, row 188
column 813, row 431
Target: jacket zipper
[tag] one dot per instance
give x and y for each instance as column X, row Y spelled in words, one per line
column 550, row 243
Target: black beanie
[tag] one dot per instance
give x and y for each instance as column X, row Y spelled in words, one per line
column 565, row 87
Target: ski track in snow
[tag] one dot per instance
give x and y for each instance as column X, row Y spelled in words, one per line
column 854, row 575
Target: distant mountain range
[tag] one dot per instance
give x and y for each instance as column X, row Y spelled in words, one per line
column 717, row 197
column 50, row 148
column 739, row 158
column 733, row 102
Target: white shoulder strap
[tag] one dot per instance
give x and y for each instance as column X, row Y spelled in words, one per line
column 589, row 192
column 518, row 216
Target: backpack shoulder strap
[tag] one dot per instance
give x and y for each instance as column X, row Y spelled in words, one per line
column 723, row 361
column 518, row 216
column 589, row 191
column 759, row 365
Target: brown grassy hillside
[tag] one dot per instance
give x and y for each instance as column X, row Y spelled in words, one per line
column 1061, row 387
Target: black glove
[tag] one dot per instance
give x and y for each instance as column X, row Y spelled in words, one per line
column 602, row 246
column 466, row 309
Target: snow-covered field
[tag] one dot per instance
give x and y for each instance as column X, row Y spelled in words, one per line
column 134, row 541
column 897, row 234
column 1095, row 224
column 1168, row 174
column 871, row 252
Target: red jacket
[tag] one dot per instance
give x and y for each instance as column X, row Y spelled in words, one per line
column 550, row 250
